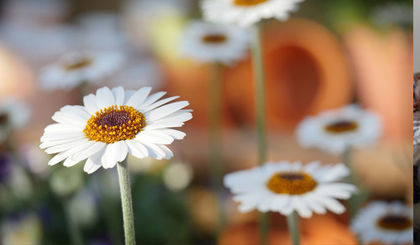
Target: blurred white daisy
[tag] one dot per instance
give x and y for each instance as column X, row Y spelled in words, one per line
column 286, row 187
column 336, row 130
column 209, row 42
column 112, row 124
column 247, row 12
column 75, row 68
column 387, row 223
column 14, row 114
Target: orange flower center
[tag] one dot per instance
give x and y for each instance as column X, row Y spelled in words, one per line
column 115, row 123
column 77, row 64
column 395, row 223
column 247, row 3
column 214, row 38
column 341, row 127
column 292, row 183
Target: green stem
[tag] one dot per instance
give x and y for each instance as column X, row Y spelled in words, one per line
column 356, row 200
column 126, row 203
column 215, row 136
column 73, row 228
column 293, row 224
column 258, row 64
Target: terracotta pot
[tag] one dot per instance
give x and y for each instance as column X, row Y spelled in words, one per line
column 306, row 69
column 384, row 68
column 324, row 229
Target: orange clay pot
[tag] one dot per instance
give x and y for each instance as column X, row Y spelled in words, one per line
column 306, row 68
column 320, row 229
column 306, row 72
column 384, row 65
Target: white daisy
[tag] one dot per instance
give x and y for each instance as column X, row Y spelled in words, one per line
column 209, row 42
column 112, row 124
column 388, row 223
column 14, row 114
column 247, row 12
column 286, row 187
column 78, row 67
column 336, row 130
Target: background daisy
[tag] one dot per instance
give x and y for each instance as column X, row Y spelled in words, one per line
column 208, row 42
column 112, row 124
column 73, row 69
column 336, row 130
column 247, row 12
column 287, row 187
column 388, row 223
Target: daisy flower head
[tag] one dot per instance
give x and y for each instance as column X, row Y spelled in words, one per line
column 287, row 187
column 245, row 13
column 335, row 131
column 14, row 114
column 210, row 42
column 74, row 68
column 113, row 123
column 387, row 223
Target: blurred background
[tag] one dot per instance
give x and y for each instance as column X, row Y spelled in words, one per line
column 329, row 54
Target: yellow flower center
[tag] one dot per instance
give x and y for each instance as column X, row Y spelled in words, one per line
column 292, row 183
column 114, row 123
column 77, row 64
column 395, row 223
column 341, row 127
column 247, row 3
column 214, row 38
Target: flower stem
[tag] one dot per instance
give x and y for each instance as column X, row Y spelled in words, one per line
column 126, row 203
column 257, row 60
column 356, row 200
column 215, row 137
column 293, row 224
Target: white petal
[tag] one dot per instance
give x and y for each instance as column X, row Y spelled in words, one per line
column 151, row 99
column 114, row 153
column 66, row 118
column 62, row 155
column 104, row 98
column 154, row 137
column 139, row 97
column 69, row 162
column 80, row 111
column 176, row 134
column 137, row 149
column 159, row 103
column 64, row 147
column 177, row 117
column 90, row 104
column 86, row 153
column 166, row 110
column 93, row 163
column 118, row 95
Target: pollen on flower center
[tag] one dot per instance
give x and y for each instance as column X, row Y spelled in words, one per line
column 115, row 123
column 395, row 223
column 77, row 64
column 342, row 126
column 214, row 38
column 247, row 3
column 292, row 183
